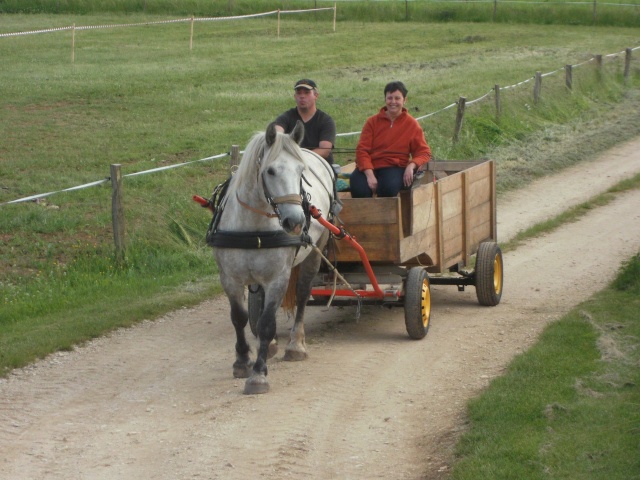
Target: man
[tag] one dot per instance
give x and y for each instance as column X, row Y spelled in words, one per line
column 319, row 128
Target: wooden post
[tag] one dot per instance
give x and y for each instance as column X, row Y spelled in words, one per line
column 599, row 66
column 73, row 44
column 627, row 64
column 278, row 23
column 191, row 35
column 568, row 76
column 537, row 87
column 595, row 3
column 117, row 211
column 496, row 90
column 495, row 9
column 234, row 158
column 335, row 11
column 462, row 101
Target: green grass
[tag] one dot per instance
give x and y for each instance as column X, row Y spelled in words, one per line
column 139, row 97
column 568, row 407
column 607, row 12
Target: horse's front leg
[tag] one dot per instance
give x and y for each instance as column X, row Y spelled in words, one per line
column 257, row 382
column 239, row 317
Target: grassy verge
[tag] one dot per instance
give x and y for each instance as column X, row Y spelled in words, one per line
column 568, row 407
column 140, row 98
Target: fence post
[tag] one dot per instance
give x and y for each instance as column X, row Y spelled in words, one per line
column 335, row 10
column 537, row 87
column 234, row 158
column 595, row 3
column 117, row 211
column 568, row 76
column 495, row 9
column 627, row 64
column 73, row 43
column 278, row 23
column 496, row 90
column 191, row 35
column 599, row 66
column 462, row 101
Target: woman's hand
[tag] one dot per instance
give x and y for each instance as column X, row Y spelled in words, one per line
column 407, row 178
column 372, row 181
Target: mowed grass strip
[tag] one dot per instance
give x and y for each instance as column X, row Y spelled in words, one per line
column 568, row 407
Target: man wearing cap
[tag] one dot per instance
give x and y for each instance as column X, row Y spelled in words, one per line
column 319, row 128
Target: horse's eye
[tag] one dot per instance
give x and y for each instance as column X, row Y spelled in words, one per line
column 271, row 171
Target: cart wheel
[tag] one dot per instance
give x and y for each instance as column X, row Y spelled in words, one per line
column 489, row 274
column 256, row 304
column 417, row 303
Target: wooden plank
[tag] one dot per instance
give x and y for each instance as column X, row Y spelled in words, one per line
column 494, row 203
column 439, row 233
column 482, row 170
column 454, row 182
column 450, row 165
column 466, row 208
column 479, row 191
column 370, row 211
column 452, row 204
column 380, row 243
column 423, row 243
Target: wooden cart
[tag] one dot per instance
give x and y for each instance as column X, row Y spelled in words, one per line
column 441, row 231
column 390, row 250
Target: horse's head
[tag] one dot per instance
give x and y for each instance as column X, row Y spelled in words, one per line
column 281, row 172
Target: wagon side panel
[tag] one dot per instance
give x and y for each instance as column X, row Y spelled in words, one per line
column 376, row 225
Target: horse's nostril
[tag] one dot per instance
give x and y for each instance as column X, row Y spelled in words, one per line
column 291, row 227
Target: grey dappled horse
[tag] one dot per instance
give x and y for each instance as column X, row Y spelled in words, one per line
column 264, row 214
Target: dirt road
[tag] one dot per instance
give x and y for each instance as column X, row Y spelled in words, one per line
column 158, row 401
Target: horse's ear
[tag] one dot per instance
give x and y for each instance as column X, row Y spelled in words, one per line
column 298, row 132
column 270, row 135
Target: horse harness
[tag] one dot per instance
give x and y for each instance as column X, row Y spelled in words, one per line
column 259, row 239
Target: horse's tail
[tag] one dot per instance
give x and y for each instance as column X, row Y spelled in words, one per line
column 289, row 301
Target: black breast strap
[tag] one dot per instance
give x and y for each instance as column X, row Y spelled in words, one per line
column 256, row 240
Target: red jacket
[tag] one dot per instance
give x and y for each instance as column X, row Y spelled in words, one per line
column 391, row 144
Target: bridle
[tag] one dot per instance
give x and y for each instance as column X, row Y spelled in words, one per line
column 292, row 198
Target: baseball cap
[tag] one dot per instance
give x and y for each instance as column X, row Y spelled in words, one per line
column 306, row 83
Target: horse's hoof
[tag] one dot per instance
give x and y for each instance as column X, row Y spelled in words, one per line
column 256, row 384
column 273, row 349
column 242, row 370
column 295, row 355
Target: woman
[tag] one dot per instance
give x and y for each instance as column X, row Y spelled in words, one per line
column 391, row 148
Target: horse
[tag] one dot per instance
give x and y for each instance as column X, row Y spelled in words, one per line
column 264, row 232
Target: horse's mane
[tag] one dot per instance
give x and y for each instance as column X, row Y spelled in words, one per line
column 246, row 173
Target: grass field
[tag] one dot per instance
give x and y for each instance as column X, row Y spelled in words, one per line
column 602, row 12
column 139, row 97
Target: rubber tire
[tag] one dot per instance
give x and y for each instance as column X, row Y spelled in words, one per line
column 255, row 304
column 489, row 274
column 417, row 303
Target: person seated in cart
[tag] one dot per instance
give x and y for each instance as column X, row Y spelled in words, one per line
column 391, row 148
column 319, row 127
